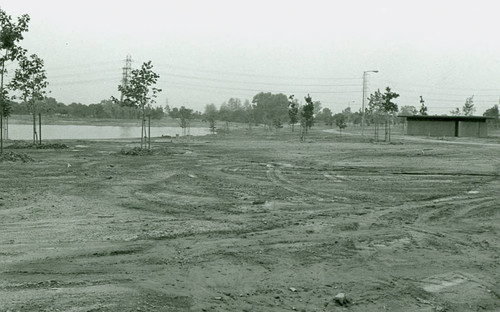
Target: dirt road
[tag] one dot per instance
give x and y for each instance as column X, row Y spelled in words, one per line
column 258, row 222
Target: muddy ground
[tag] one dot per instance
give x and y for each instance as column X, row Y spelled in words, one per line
column 253, row 222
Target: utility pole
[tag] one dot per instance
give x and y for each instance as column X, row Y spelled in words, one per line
column 363, row 103
column 126, row 73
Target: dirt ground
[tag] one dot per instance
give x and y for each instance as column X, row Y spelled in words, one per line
column 253, row 222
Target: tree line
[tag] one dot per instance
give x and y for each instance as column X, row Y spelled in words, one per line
column 106, row 109
column 139, row 93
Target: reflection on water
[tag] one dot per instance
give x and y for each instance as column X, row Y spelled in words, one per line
column 25, row 132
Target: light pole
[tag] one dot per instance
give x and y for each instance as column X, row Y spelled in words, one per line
column 363, row 103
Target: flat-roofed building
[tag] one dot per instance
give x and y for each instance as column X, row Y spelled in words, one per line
column 451, row 126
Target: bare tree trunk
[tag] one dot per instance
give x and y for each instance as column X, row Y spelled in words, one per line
column 389, row 132
column 1, row 121
column 40, row 128
column 2, row 105
column 143, row 130
column 34, row 125
column 385, row 131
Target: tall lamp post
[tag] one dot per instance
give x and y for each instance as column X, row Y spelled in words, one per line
column 363, row 103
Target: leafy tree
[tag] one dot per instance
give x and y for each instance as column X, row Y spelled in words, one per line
column 30, row 79
column 494, row 113
column 325, row 116
column 293, row 111
column 225, row 115
column 270, row 109
column 50, row 106
column 317, row 107
column 407, row 110
column 468, row 109
column 356, row 117
column 155, row 113
column 210, row 115
column 340, row 121
column 423, row 108
column 348, row 114
column 382, row 107
column 456, row 112
column 172, row 112
column 185, row 116
column 389, row 108
column 248, row 114
column 307, row 115
column 375, row 111
column 232, row 111
column 139, row 92
column 235, row 110
column 11, row 33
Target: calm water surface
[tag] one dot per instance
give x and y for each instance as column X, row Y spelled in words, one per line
column 49, row 132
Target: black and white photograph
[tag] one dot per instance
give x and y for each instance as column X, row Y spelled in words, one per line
column 220, row 156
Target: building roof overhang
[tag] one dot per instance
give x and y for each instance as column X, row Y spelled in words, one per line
column 446, row 118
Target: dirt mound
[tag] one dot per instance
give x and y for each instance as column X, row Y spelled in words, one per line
column 13, row 156
column 52, row 146
column 25, row 145
column 136, row 151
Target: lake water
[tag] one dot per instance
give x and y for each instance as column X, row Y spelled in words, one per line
column 49, row 132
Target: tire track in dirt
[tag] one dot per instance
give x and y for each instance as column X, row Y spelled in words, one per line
column 276, row 176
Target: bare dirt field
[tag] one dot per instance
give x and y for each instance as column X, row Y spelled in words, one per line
column 253, row 222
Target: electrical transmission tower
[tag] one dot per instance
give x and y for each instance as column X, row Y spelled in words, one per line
column 126, row 73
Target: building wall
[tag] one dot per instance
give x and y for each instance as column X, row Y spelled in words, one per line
column 472, row 129
column 431, row 127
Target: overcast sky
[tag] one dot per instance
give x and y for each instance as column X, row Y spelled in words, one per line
column 210, row 51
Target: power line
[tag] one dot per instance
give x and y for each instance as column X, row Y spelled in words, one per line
column 114, row 72
column 257, row 75
column 260, row 90
column 253, row 82
column 442, row 88
column 113, row 63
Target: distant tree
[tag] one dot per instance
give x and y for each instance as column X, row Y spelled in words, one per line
column 154, row 112
column 225, row 115
column 307, row 116
column 468, row 109
column 50, row 106
column 232, row 111
column 173, row 112
column 236, row 110
column 383, row 108
column 493, row 112
column 375, row 112
column 270, row 109
column 140, row 92
column 30, row 79
column 407, row 110
column 185, row 116
column 456, row 112
column 340, row 121
column 423, row 108
column 348, row 114
column 317, row 107
column 326, row 116
column 390, row 108
column 356, row 117
column 293, row 111
column 210, row 116
column 11, row 33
